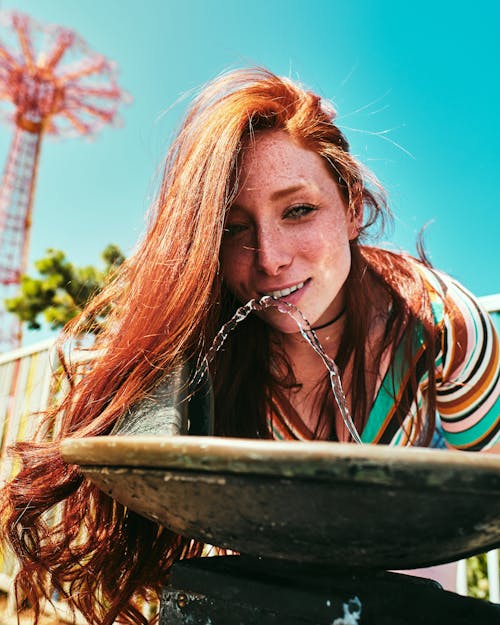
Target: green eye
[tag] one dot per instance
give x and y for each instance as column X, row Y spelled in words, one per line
column 300, row 210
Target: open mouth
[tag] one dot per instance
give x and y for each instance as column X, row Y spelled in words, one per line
column 288, row 291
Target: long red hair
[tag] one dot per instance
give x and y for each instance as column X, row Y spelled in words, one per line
column 165, row 306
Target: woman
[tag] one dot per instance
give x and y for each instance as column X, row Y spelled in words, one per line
column 260, row 196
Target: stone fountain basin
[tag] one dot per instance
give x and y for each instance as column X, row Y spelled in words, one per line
column 342, row 504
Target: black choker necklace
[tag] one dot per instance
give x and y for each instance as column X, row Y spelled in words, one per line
column 329, row 323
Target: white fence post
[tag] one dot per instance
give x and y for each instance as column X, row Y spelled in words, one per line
column 493, row 575
column 462, row 587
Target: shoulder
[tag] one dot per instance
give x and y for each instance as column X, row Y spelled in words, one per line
column 464, row 330
column 467, row 331
column 451, row 301
column 436, row 300
column 410, row 280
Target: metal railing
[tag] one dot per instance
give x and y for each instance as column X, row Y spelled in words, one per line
column 25, row 384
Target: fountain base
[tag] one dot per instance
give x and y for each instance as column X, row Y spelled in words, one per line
column 256, row 591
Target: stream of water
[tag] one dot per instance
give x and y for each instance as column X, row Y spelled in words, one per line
column 306, row 331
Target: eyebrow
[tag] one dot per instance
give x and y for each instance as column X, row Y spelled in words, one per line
column 276, row 195
column 288, row 191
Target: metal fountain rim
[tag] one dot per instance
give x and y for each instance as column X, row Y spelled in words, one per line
column 277, row 458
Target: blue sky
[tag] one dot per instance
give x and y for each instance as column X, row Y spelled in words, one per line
column 415, row 86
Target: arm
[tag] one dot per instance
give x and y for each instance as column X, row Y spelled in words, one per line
column 495, row 449
column 172, row 408
column 468, row 392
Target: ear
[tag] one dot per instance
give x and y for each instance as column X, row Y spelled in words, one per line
column 354, row 220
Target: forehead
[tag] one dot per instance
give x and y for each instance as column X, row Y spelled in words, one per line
column 274, row 158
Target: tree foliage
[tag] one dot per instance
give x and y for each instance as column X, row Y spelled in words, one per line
column 61, row 290
column 477, row 577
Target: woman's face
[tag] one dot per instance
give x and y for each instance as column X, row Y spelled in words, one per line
column 287, row 234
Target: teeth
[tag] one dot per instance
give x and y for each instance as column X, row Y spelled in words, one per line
column 286, row 292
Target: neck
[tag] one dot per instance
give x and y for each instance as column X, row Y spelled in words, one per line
column 331, row 322
column 301, row 352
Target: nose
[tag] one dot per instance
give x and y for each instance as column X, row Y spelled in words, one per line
column 273, row 251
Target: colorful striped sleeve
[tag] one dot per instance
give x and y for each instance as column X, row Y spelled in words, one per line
column 468, row 392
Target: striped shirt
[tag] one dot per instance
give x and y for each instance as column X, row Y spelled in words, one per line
column 467, row 379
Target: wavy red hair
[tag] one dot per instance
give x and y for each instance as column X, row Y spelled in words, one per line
column 164, row 306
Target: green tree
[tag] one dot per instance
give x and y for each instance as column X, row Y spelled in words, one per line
column 61, row 290
column 477, row 577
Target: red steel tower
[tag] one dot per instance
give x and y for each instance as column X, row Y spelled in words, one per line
column 50, row 83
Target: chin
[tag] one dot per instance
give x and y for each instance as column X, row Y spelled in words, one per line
column 285, row 326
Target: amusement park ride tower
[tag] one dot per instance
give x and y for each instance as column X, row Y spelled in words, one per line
column 57, row 86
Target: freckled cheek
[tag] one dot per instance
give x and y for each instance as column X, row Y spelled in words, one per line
column 305, row 244
column 235, row 269
column 314, row 245
column 332, row 255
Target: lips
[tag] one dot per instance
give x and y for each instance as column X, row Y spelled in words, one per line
column 284, row 292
